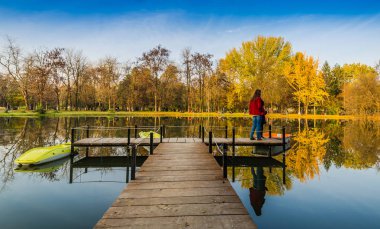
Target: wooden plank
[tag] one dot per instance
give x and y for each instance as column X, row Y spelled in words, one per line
column 172, row 140
column 184, row 157
column 177, row 178
column 188, row 222
column 175, row 210
column 197, row 140
column 174, row 192
column 142, row 172
column 179, row 168
column 180, row 184
column 181, row 140
column 175, row 200
column 86, row 141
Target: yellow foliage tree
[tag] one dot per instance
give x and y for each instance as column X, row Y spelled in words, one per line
column 307, row 153
column 307, row 82
column 361, row 89
column 256, row 64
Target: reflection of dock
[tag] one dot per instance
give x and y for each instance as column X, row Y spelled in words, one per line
column 179, row 186
column 108, row 161
column 244, row 161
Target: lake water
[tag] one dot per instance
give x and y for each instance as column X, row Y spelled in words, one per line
column 332, row 175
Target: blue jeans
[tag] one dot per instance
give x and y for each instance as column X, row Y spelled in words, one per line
column 256, row 125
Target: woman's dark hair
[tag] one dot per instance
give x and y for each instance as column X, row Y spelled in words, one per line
column 257, row 94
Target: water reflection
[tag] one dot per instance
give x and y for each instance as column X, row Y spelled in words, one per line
column 318, row 147
column 49, row 167
column 352, row 144
column 257, row 192
column 103, row 164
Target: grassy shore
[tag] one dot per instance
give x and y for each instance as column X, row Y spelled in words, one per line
column 172, row 114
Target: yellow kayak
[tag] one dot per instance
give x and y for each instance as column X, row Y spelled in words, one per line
column 146, row 134
column 44, row 154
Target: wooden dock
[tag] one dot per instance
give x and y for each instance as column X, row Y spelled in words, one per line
column 179, row 186
column 98, row 142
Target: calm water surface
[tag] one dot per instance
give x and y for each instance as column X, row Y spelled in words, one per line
column 332, row 174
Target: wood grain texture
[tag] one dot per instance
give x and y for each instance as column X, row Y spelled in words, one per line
column 179, row 186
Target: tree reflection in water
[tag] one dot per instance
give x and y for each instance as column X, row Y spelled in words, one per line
column 351, row 144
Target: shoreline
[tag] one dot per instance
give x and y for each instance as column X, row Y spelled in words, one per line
column 179, row 114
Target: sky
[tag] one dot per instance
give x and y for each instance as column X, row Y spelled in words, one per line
column 330, row 30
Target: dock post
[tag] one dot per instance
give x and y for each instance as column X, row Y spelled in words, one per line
column 200, row 131
column 224, row 160
column 283, row 153
column 203, row 134
column 88, row 131
column 72, row 140
column 87, row 136
column 226, row 133
column 283, row 171
column 129, row 136
column 283, row 140
column 151, row 143
column 127, row 165
column 71, row 168
column 210, row 141
column 135, row 131
column 270, row 131
column 233, row 173
column 233, row 141
column 133, row 163
column 161, row 133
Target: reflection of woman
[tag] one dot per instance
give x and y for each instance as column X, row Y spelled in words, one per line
column 256, row 108
column 257, row 193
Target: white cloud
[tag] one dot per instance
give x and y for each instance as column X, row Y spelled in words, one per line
column 335, row 39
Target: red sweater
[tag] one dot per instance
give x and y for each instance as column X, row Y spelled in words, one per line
column 256, row 107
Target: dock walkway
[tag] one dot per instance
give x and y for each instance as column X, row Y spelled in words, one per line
column 98, row 142
column 179, row 186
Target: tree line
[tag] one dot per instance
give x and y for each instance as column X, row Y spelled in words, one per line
column 292, row 82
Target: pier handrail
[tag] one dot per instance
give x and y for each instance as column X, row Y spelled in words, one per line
column 113, row 128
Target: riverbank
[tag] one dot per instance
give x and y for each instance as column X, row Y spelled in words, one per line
column 174, row 114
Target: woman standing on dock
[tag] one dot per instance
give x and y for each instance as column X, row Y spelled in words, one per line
column 256, row 108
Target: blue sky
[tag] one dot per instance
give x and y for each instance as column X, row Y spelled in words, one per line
column 337, row 31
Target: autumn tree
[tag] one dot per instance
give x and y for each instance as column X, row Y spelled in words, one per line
column 172, row 89
column 356, row 77
column 156, row 61
column 56, row 64
column 9, row 93
column 257, row 64
column 75, row 65
column 12, row 61
column 137, row 89
column 202, row 64
column 362, row 94
column 108, row 78
column 187, row 63
column 306, row 81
